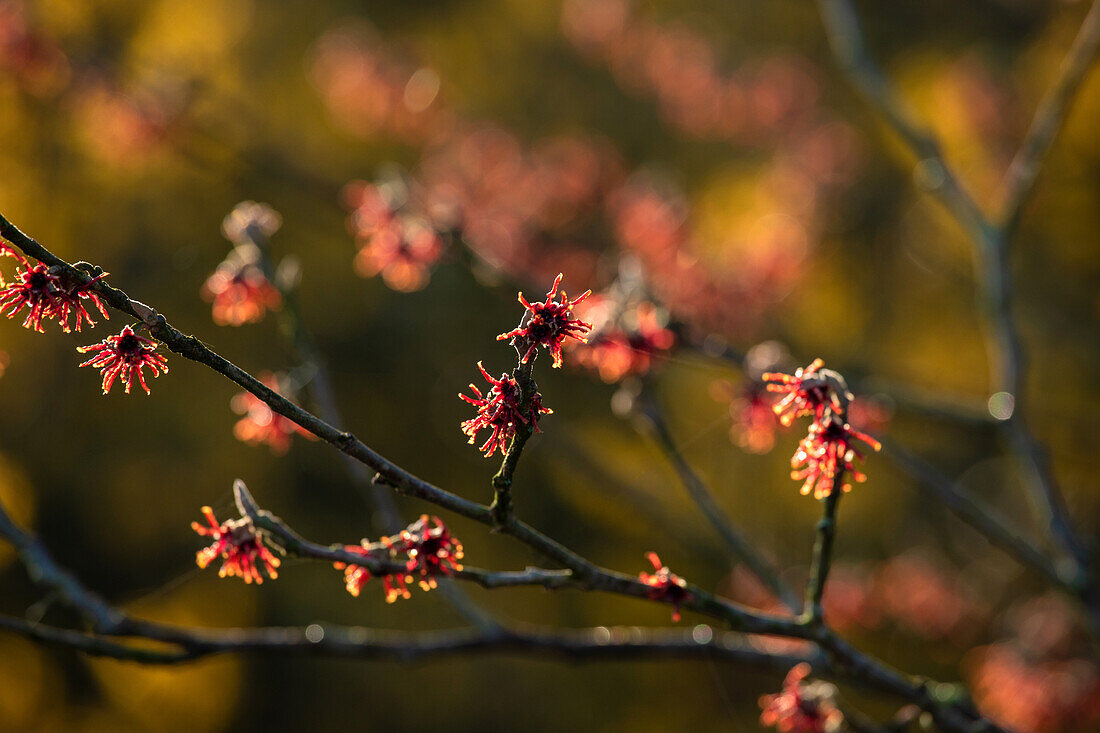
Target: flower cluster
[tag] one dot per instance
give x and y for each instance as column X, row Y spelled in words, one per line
column 665, row 585
column 46, row 294
column 548, row 323
column 427, row 548
column 239, row 545
column 125, row 356
column 625, row 338
column 238, row 289
column 824, row 458
column 501, row 411
column 801, row 707
column 398, row 245
column 239, row 292
column 262, row 425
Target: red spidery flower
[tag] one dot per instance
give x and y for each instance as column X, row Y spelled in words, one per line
column 399, row 246
column 665, row 585
column 501, row 412
column 548, row 323
column 800, row 707
column 240, row 293
column 261, row 424
column 125, row 355
column 47, row 295
column 809, row 391
column 825, row 454
column 429, row 550
column 627, row 345
column 402, row 251
column 239, row 545
column 355, row 576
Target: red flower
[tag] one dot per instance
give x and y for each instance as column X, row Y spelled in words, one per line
column 500, row 411
column 429, row 550
column 664, row 585
column 548, row 323
column 825, row 454
column 800, row 708
column 239, row 545
column 261, row 424
column 626, row 344
column 240, row 293
column 355, row 576
column 398, row 246
column 809, row 391
column 402, row 251
column 754, row 421
column 46, row 295
column 125, row 355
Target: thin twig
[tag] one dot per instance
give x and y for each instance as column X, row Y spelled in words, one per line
column 823, row 555
column 1049, row 119
column 735, row 540
column 978, row 515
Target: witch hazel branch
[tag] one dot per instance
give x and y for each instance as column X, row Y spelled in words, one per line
column 250, row 546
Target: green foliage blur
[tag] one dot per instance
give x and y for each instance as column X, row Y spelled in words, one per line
column 149, row 121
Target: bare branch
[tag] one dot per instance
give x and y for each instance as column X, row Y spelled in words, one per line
column 1049, row 118
column 735, row 540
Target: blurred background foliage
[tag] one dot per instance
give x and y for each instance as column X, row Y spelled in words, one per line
column 129, row 129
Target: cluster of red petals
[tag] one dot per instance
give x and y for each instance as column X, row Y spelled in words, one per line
column 500, row 411
column 400, row 247
column 825, row 457
column 665, row 585
column 796, row 709
column 240, row 293
column 753, row 420
column 239, row 545
column 428, row 549
column 261, row 425
column 45, row 295
column 125, row 356
column 355, row 576
column 808, row 392
column 827, row 452
column 627, row 344
column 548, row 323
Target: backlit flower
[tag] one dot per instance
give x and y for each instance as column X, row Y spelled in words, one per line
column 261, row 424
column 355, row 576
column 626, row 344
column 664, row 585
column 754, row 421
column 826, row 455
column 427, row 548
column 125, row 356
column 46, row 295
column 800, row 707
column 431, row 550
column 240, row 293
column 402, row 251
column 809, row 391
column 239, row 545
column 548, row 323
column 501, row 411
